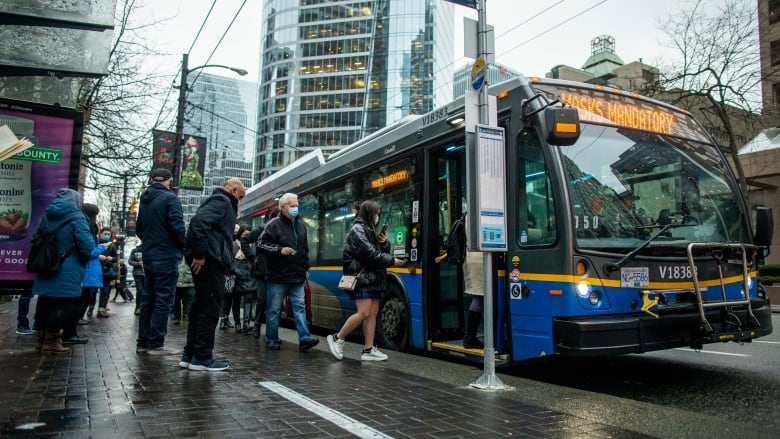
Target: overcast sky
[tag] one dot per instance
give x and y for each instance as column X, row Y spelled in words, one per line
column 531, row 36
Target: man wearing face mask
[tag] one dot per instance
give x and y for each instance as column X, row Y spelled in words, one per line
column 160, row 225
column 285, row 244
column 210, row 256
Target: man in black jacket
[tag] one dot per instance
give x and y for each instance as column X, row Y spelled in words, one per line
column 160, row 226
column 210, row 255
column 286, row 246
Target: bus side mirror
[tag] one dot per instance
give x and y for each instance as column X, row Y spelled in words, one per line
column 764, row 227
column 563, row 125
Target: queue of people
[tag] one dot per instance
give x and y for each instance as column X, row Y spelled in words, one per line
column 183, row 271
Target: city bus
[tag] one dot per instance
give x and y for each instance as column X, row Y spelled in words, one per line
column 626, row 229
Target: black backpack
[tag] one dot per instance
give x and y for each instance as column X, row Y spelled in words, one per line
column 456, row 242
column 44, row 258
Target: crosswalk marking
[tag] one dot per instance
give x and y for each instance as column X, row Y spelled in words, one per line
column 353, row 426
column 711, row 352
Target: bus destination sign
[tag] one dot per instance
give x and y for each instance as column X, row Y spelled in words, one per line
column 600, row 106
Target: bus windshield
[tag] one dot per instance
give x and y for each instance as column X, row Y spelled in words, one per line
column 626, row 184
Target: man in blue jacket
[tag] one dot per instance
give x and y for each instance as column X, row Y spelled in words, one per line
column 210, row 255
column 160, row 225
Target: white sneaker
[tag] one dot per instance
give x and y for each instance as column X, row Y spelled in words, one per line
column 373, row 355
column 336, row 346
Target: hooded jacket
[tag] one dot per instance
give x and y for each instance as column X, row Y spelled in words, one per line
column 284, row 232
column 160, row 224
column 364, row 255
column 211, row 230
column 76, row 236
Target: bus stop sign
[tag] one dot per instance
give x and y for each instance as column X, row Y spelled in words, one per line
column 478, row 71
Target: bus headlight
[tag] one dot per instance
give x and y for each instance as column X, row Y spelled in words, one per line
column 594, row 297
column 583, row 290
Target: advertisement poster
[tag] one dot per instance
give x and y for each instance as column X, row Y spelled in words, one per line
column 163, row 150
column 194, row 162
column 29, row 180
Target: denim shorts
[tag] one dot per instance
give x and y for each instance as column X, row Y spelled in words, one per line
column 363, row 294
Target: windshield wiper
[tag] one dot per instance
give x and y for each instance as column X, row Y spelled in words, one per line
column 609, row 267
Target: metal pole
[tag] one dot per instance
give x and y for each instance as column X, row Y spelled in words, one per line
column 488, row 380
column 124, row 204
column 177, row 152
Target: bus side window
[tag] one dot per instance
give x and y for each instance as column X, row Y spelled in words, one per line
column 536, row 206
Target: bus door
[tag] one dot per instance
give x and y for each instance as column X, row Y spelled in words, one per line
column 444, row 281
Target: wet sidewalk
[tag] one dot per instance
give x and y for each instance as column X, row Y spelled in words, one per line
column 106, row 389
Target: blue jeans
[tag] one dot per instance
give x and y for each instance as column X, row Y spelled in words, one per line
column 273, row 310
column 23, row 309
column 157, row 301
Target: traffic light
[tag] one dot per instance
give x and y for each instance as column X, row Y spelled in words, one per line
column 134, row 206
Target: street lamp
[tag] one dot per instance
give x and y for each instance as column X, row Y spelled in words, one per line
column 177, row 155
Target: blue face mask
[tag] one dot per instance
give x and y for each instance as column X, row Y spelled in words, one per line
column 105, row 238
column 293, row 212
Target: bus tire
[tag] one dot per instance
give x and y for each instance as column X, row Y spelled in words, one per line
column 392, row 326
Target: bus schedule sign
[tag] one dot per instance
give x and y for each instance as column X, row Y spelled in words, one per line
column 491, row 184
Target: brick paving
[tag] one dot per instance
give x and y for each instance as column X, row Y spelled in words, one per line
column 105, row 389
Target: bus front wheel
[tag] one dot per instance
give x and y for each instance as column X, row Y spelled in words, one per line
column 393, row 323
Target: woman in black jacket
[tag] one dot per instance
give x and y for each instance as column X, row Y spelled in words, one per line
column 245, row 286
column 367, row 256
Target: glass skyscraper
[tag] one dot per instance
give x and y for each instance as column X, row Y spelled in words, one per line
column 335, row 71
column 220, row 109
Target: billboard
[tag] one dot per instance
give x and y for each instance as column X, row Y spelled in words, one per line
column 193, row 161
column 30, row 179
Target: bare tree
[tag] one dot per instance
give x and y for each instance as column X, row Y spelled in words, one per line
column 119, row 110
column 717, row 74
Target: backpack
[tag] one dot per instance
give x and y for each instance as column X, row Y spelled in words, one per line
column 44, row 258
column 456, row 242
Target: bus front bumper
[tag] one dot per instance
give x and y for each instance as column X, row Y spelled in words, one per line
column 676, row 327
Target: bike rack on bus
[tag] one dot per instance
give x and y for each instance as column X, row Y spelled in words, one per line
column 717, row 254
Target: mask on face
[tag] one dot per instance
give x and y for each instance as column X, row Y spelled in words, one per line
column 376, row 219
column 105, row 238
column 293, row 212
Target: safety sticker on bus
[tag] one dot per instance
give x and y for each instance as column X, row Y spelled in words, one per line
column 634, row 277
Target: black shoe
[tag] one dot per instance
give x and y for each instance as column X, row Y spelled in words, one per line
column 308, row 344
column 83, row 322
column 256, row 331
column 222, row 324
column 75, row 339
column 228, row 324
column 473, row 343
column 273, row 346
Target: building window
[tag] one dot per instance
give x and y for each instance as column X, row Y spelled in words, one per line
column 774, row 52
column 774, row 11
column 776, row 93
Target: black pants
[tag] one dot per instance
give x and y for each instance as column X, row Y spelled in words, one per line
column 69, row 330
column 205, row 310
column 232, row 302
column 262, row 299
column 55, row 313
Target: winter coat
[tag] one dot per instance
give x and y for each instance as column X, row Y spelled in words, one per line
column 94, row 274
column 110, row 270
column 363, row 252
column 185, row 275
column 211, row 230
column 245, row 283
column 74, row 235
column 160, row 224
column 136, row 261
column 284, row 232
column 248, row 246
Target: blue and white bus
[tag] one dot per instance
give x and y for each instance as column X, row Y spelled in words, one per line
column 627, row 231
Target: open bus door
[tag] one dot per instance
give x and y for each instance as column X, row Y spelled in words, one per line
column 445, row 312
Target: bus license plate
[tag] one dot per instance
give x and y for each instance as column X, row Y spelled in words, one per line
column 635, row 277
